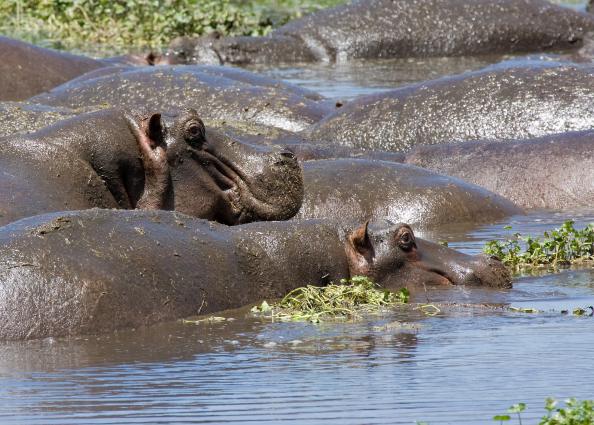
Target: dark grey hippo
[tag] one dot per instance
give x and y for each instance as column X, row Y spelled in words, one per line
column 215, row 92
column 27, row 70
column 399, row 28
column 554, row 171
column 498, row 103
column 361, row 189
column 100, row 270
column 100, row 159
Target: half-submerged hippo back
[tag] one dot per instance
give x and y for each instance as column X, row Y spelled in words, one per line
column 399, row 29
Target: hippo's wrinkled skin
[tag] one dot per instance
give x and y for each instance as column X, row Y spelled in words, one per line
column 215, row 92
column 360, row 189
column 399, row 28
column 93, row 160
column 99, row 270
column 555, row 172
column 497, row 103
column 27, row 70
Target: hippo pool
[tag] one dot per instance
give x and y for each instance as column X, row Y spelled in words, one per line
column 464, row 365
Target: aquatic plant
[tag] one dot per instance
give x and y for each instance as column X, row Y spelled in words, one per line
column 347, row 300
column 106, row 27
column 574, row 413
column 559, row 247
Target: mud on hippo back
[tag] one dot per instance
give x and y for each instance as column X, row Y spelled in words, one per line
column 100, row 270
column 397, row 29
column 95, row 160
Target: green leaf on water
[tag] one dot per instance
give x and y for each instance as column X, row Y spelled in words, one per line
column 517, row 408
column 501, row 418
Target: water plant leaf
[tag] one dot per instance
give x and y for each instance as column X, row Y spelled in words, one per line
column 559, row 247
column 344, row 301
column 501, row 418
column 517, row 408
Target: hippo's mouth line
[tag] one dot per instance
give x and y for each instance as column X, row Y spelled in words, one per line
column 445, row 278
column 233, row 183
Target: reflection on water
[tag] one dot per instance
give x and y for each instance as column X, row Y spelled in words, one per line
column 462, row 366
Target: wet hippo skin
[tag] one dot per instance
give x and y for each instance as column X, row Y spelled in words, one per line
column 26, row 70
column 399, row 28
column 497, row 103
column 93, row 160
column 215, row 92
column 362, row 189
column 555, row 172
column 100, row 270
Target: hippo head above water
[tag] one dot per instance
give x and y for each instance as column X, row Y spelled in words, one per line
column 392, row 256
column 219, row 178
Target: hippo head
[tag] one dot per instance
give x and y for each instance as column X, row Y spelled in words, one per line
column 219, row 178
column 393, row 257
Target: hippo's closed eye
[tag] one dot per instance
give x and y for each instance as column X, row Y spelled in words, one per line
column 194, row 133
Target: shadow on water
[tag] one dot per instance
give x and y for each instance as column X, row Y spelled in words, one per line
column 461, row 366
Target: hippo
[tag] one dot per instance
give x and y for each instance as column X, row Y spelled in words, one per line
column 215, row 92
column 504, row 102
column 368, row 29
column 27, row 70
column 555, row 172
column 23, row 117
column 101, row 159
column 362, row 189
column 95, row 271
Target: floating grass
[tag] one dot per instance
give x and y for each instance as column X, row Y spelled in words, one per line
column 560, row 247
column 348, row 300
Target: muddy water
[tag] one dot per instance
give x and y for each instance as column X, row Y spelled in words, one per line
column 463, row 365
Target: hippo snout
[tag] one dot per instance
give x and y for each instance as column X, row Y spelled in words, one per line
column 487, row 270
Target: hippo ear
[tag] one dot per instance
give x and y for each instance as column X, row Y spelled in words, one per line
column 359, row 251
column 359, row 239
column 154, row 129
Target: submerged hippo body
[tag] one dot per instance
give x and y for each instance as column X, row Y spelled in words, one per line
column 93, row 160
column 397, row 29
column 215, row 92
column 99, row 270
column 497, row 103
column 361, row 189
column 554, row 171
column 26, row 70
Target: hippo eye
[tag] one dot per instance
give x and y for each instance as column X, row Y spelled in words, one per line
column 405, row 239
column 194, row 132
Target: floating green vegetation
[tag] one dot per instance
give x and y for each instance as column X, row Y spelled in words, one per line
column 560, row 247
column 108, row 27
column 573, row 413
column 348, row 300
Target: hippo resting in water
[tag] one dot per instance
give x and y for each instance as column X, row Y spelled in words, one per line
column 504, row 102
column 221, row 93
column 27, row 70
column 97, row 270
column 399, row 28
column 361, row 189
column 101, row 159
column 554, row 171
